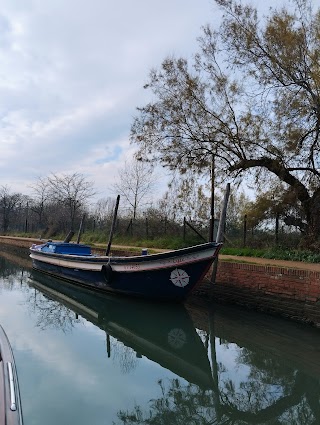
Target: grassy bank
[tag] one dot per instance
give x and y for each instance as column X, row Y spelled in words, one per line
column 274, row 253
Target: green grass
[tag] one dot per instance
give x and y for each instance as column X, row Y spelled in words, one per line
column 172, row 242
column 164, row 242
column 100, row 238
column 275, row 253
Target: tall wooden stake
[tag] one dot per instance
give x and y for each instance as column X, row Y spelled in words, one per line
column 80, row 228
column 69, row 236
column 223, row 215
column 113, row 225
column 221, row 227
column 211, row 227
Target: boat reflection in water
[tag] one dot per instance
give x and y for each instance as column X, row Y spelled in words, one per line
column 264, row 370
column 162, row 332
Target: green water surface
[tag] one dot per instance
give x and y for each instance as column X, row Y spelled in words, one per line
column 85, row 358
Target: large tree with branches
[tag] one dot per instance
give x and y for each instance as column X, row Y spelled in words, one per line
column 250, row 100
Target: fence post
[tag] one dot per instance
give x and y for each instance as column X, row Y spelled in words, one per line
column 245, row 230
column 26, row 222
column 277, row 228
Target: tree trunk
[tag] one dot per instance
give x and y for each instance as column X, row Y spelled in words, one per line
column 311, row 240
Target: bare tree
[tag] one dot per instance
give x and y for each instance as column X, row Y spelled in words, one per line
column 136, row 184
column 40, row 198
column 8, row 206
column 103, row 211
column 71, row 191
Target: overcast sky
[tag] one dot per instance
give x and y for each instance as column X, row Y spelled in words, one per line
column 72, row 74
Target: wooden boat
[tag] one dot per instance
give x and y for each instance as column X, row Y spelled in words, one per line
column 162, row 332
column 169, row 275
column 10, row 404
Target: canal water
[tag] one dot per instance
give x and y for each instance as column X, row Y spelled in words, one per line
column 85, row 358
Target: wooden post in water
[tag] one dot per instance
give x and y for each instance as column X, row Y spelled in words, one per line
column 214, row 366
column 69, row 236
column 220, row 232
column 211, row 227
column 80, row 228
column 113, row 225
column 108, row 345
column 222, row 221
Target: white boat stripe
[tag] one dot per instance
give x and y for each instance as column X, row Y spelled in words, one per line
column 154, row 264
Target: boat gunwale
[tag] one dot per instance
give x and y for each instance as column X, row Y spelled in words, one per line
column 134, row 258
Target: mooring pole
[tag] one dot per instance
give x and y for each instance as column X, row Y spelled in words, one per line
column 211, row 227
column 223, row 215
column 113, row 225
column 69, row 236
column 222, row 223
column 80, row 228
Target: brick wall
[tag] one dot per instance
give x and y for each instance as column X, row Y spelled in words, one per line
column 288, row 292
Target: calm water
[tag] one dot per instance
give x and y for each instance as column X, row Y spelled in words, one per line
column 89, row 359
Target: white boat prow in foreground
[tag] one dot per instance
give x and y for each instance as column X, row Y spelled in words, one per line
column 10, row 404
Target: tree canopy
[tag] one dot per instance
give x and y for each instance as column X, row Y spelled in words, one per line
column 250, row 99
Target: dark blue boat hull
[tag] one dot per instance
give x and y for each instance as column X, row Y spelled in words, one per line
column 146, row 284
column 168, row 275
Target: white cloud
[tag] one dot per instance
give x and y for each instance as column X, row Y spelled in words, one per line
column 71, row 76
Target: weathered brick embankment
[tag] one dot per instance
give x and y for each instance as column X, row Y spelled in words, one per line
column 283, row 288
column 287, row 291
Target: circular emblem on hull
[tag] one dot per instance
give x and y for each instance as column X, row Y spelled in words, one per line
column 179, row 277
column 177, row 338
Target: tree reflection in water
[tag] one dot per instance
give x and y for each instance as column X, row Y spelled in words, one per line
column 9, row 274
column 124, row 356
column 252, row 383
column 272, row 393
column 179, row 404
column 51, row 314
